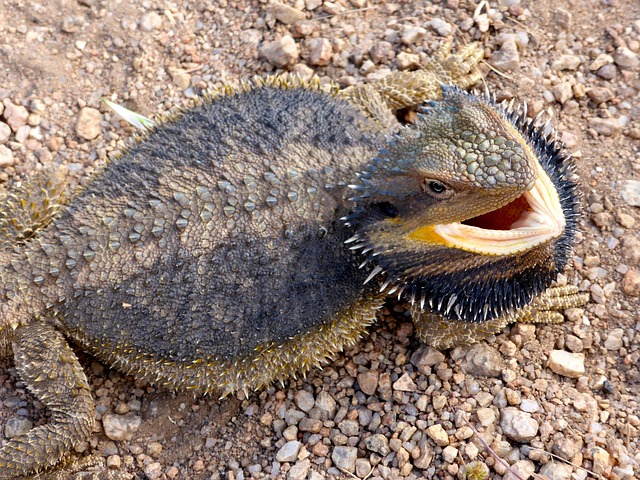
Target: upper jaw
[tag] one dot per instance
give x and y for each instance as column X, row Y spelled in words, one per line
column 543, row 221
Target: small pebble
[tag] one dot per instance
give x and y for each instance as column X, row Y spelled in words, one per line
column 600, row 61
column 600, row 94
column 625, row 220
column 121, row 427
column 344, row 458
column 449, row 454
column 520, row 470
column 608, row 72
column 363, row 467
column 556, row 470
column 293, row 416
column 290, row 433
column 566, row 62
column 405, row 384
column 626, row 58
column 289, row 451
column 88, row 125
column 299, row 470
column 15, row 115
column 567, row 448
column 312, row 425
column 529, row 405
column 607, row 126
column 631, row 283
column 630, row 191
column 304, row 400
column 566, row 363
column 426, row 357
column 332, row 8
column 320, row 51
column 281, row 53
column 440, row 26
column 368, row 382
column 380, row 51
column 438, row 435
column 507, row 57
column 153, row 470
column 378, row 443
column 562, row 92
column 412, row 35
column 407, row 61
column 350, row 428
column 486, row 416
column 5, row 132
column 72, row 23
column 150, row 21
column 483, row 360
column 614, row 339
column 601, row 460
column 631, row 249
column 425, row 455
column 286, row 13
column 180, row 77
column 574, row 344
column 154, row 449
column 325, row 406
column 518, row 425
column 625, row 472
column 16, row 426
column 6, row 157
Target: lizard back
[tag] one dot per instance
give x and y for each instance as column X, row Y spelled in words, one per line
column 213, row 235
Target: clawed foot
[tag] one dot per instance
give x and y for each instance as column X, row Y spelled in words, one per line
column 84, row 468
column 460, row 68
column 442, row 333
column 548, row 306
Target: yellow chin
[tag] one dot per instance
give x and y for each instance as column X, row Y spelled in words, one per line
column 541, row 220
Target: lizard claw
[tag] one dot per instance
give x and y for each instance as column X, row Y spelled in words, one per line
column 84, row 468
column 460, row 68
column 545, row 308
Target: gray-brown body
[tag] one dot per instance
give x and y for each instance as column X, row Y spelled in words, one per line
column 218, row 233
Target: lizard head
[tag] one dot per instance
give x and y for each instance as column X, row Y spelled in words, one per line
column 470, row 210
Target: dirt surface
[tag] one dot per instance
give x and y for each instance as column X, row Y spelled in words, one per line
column 574, row 60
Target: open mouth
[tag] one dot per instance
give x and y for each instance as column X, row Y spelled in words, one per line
column 533, row 218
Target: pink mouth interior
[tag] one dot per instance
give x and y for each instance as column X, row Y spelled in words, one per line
column 502, row 218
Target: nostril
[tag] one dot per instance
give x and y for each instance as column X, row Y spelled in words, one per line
column 388, row 209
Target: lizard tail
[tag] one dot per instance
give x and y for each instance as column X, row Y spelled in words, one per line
column 25, row 208
column 28, row 206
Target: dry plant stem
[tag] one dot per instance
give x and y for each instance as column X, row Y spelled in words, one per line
column 524, row 27
column 506, row 465
column 498, row 72
column 348, row 12
column 553, row 455
column 351, row 475
column 488, row 448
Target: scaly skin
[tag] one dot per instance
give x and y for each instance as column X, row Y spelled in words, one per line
column 211, row 256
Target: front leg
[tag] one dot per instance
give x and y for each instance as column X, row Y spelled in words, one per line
column 381, row 99
column 442, row 333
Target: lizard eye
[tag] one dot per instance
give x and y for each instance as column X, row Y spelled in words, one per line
column 436, row 189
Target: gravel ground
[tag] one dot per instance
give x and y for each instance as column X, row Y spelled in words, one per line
column 388, row 408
